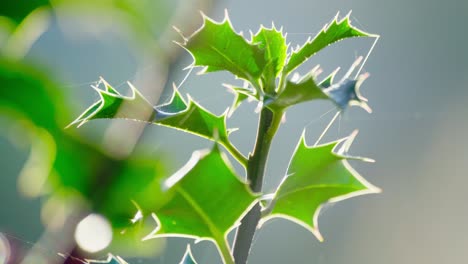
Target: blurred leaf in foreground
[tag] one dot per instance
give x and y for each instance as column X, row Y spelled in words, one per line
column 62, row 166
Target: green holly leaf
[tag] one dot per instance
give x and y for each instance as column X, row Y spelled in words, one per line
column 136, row 106
column 331, row 33
column 217, row 47
column 316, row 175
column 193, row 118
column 178, row 114
column 188, row 257
column 343, row 93
column 273, row 44
column 208, row 201
column 296, row 92
column 111, row 259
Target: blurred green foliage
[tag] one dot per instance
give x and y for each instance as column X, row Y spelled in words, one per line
column 63, row 168
column 18, row 10
column 77, row 168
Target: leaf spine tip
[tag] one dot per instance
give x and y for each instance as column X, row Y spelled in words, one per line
column 376, row 189
column 134, row 90
column 228, row 86
column 348, row 142
column 178, row 31
column 98, row 90
column 72, row 123
column 189, row 67
column 241, row 33
column 366, row 107
column 232, row 130
column 303, row 137
column 174, row 87
column 189, row 98
column 204, row 16
column 203, row 70
column 336, row 18
column 347, row 17
column 82, row 122
column 251, row 35
column 226, row 15
column 353, row 67
column 336, row 71
column 227, row 112
column 369, row 160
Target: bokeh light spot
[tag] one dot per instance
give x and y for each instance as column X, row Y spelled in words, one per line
column 93, row 233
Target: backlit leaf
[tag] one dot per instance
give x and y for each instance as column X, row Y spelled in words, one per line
column 316, row 175
column 331, row 33
column 273, row 44
column 297, row 92
column 208, row 201
column 217, row 47
column 186, row 116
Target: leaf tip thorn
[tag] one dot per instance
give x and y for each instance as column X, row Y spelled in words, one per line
column 226, row 15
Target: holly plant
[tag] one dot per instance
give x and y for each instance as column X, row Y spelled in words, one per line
column 207, row 198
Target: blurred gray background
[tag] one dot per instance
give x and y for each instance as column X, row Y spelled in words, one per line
column 418, row 90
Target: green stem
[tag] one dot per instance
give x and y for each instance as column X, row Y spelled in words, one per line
column 225, row 251
column 269, row 123
column 235, row 153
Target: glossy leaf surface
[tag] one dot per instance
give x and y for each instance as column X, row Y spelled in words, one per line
column 217, row 47
column 337, row 30
column 189, row 117
column 208, row 201
column 301, row 91
column 316, row 175
column 274, row 47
